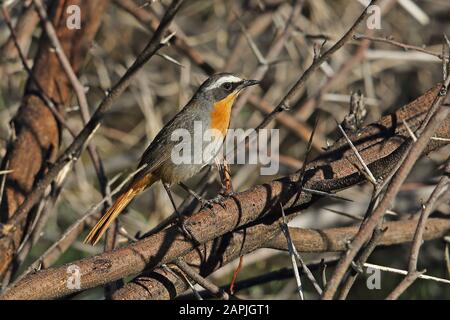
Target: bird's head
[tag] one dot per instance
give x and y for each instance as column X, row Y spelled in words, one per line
column 223, row 88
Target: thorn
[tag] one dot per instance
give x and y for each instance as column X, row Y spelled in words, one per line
column 345, row 214
column 285, row 106
column 170, row 59
column 361, row 160
column 327, row 194
column 5, row 172
column 411, row 133
column 252, row 44
column 167, row 39
column 440, row 139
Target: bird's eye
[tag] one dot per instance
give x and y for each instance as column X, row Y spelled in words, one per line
column 227, row 86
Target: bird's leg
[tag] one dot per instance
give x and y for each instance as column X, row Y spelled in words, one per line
column 204, row 202
column 180, row 217
column 225, row 178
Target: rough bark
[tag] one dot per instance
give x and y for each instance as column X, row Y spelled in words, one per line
column 37, row 130
column 381, row 144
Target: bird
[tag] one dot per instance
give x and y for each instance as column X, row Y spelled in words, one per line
column 210, row 106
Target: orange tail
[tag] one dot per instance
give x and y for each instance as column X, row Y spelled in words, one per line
column 102, row 225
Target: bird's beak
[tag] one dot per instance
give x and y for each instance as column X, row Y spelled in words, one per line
column 248, row 83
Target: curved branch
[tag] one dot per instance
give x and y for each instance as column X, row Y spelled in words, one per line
column 37, row 129
column 160, row 284
column 381, row 145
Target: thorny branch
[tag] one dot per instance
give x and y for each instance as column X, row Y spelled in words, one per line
column 250, row 219
column 78, row 144
column 381, row 145
column 37, row 137
column 427, row 129
column 427, row 208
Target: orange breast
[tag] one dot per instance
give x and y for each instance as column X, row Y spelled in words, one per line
column 220, row 116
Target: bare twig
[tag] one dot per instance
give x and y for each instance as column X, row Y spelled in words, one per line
column 215, row 290
column 35, row 118
column 285, row 102
column 373, row 242
column 399, row 44
column 244, row 207
column 76, row 147
column 70, row 235
column 33, row 232
column 427, row 208
column 291, row 249
column 360, row 159
column 404, row 272
column 425, row 132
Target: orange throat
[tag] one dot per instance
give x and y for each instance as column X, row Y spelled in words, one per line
column 220, row 115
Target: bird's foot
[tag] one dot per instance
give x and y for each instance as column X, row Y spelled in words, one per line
column 210, row 202
column 227, row 193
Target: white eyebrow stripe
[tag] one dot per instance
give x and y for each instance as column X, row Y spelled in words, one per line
column 222, row 80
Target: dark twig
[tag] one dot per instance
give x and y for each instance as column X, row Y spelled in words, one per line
column 399, row 44
column 208, row 285
column 277, row 275
column 425, row 132
column 242, row 208
column 427, row 208
column 70, row 235
column 291, row 248
column 364, row 255
column 76, row 147
column 33, row 232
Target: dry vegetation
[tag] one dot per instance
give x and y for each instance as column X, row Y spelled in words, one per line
column 286, row 44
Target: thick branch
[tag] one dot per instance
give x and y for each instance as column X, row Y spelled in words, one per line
column 337, row 239
column 434, row 119
column 74, row 150
column 160, row 284
column 37, row 130
column 381, row 145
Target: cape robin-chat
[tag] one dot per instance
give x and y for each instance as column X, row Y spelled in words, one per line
column 211, row 108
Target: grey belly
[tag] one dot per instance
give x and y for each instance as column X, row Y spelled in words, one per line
column 174, row 173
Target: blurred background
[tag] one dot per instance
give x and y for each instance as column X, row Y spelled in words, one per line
column 243, row 37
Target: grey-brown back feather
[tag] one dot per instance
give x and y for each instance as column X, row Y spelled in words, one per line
column 197, row 109
column 159, row 150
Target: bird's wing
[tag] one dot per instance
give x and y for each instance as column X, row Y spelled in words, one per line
column 156, row 153
column 160, row 148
